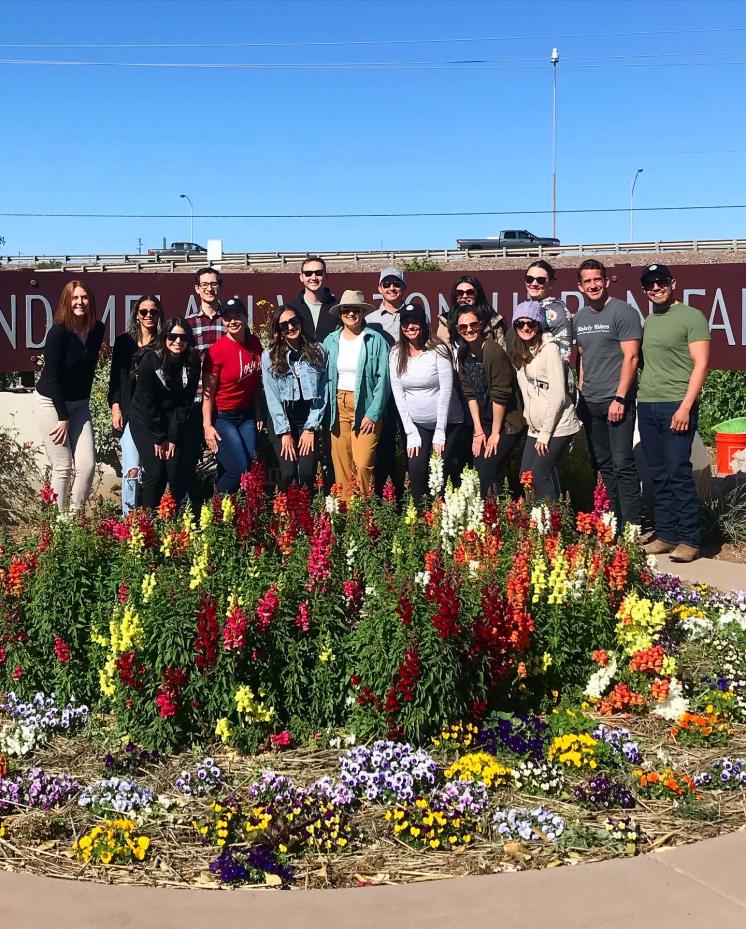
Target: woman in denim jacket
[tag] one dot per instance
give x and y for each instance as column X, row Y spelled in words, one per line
column 357, row 387
column 294, row 375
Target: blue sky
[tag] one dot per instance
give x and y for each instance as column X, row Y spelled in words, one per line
column 456, row 137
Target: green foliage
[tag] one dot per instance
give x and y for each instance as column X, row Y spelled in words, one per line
column 20, row 478
column 104, row 439
column 421, row 264
column 723, row 397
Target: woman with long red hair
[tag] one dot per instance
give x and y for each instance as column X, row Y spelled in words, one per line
column 63, row 394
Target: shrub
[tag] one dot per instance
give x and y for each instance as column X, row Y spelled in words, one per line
column 20, row 477
column 723, row 397
column 421, row 264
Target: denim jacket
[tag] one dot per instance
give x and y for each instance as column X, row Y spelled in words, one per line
column 372, row 385
column 280, row 389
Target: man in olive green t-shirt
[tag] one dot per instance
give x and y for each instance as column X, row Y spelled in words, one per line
column 676, row 353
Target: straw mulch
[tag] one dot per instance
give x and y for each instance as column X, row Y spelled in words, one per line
column 39, row 842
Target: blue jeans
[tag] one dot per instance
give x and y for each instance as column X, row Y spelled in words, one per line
column 130, row 460
column 237, row 447
column 668, row 455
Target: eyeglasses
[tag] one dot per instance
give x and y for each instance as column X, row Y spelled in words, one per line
column 350, row 311
column 468, row 292
column 526, row 324
column 177, row 337
column 145, row 313
column 388, row 284
column 210, row 285
column 469, row 327
column 292, row 323
column 530, row 279
column 316, row 272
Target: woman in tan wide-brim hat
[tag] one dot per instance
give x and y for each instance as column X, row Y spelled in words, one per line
column 357, row 390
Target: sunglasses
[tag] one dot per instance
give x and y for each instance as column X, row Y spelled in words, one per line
column 350, row 311
column 526, row 324
column 292, row 323
column 469, row 292
column 387, row 284
column 468, row 327
column 651, row 285
column 177, row 337
column 314, row 273
column 145, row 313
column 530, row 279
column 409, row 326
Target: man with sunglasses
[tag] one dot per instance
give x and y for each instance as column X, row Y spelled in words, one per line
column 392, row 286
column 315, row 301
column 608, row 332
column 676, row 345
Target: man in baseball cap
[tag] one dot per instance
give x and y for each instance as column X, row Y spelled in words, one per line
column 392, row 286
column 676, row 349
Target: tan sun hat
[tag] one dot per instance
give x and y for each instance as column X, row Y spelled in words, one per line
column 351, row 298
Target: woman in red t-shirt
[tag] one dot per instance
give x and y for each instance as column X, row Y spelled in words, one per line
column 231, row 379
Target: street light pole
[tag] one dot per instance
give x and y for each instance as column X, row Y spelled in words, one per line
column 191, row 221
column 554, row 59
column 631, row 196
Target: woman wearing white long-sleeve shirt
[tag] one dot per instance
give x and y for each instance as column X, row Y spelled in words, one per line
column 421, row 371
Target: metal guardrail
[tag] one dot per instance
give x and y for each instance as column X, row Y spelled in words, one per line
column 127, row 262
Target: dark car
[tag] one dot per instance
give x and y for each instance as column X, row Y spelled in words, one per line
column 179, row 248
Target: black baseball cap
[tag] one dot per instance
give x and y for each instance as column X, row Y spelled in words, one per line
column 413, row 313
column 654, row 273
column 234, row 305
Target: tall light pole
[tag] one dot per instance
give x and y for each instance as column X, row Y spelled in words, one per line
column 191, row 221
column 554, row 59
column 631, row 196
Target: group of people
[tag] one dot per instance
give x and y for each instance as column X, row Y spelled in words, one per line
column 339, row 380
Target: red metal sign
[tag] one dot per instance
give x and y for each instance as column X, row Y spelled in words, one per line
column 28, row 299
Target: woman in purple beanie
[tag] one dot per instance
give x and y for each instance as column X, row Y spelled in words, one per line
column 547, row 407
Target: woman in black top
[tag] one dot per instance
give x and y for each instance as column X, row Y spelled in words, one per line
column 63, row 393
column 167, row 378
column 488, row 384
column 145, row 325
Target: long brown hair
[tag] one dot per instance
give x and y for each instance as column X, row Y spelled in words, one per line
column 426, row 342
column 64, row 316
column 278, row 346
column 522, row 352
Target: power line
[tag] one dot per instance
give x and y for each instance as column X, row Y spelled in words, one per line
column 520, row 212
column 328, row 43
column 473, row 64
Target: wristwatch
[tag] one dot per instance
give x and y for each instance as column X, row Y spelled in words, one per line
column 622, row 400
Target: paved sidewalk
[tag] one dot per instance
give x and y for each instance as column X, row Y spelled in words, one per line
column 727, row 575
column 695, row 886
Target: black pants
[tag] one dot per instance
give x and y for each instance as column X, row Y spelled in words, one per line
column 546, row 483
column 419, row 465
column 385, row 466
column 303, row 469
column 612, row 456
column 156, row 472
column 491, row 470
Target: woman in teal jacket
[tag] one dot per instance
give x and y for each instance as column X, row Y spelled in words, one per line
column 357, row 388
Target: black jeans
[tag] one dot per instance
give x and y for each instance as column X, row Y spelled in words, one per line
column 303, row 469
column 546, row 483
column 668, row 455
column 156, row 473
column 491, row 470
column 612, row 456
column 385, row 465
column 419, row 465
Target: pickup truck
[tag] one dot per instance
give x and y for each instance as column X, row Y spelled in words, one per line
column 508, row 238
column 178, row 249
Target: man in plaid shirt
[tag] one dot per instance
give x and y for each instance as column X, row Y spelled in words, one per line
column 207, row 324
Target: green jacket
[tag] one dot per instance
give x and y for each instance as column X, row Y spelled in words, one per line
column 371, row 383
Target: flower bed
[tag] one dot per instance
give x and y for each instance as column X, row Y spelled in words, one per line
column 494, row 685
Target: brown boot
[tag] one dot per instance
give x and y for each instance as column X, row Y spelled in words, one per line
column 685, row 553
column 658, row 547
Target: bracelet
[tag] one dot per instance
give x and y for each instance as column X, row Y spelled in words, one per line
column 478, row 434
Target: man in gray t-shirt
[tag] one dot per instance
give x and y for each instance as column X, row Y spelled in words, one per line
column 608, row 334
